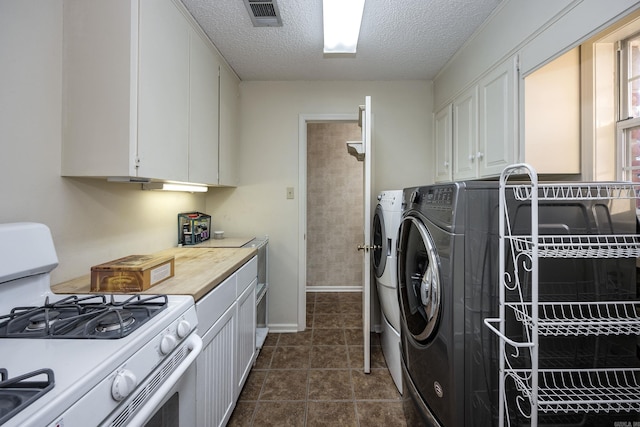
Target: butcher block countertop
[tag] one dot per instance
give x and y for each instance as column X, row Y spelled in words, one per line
column 197, row 272
column 227, row 242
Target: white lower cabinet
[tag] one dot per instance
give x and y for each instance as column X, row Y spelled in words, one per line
column 226, row 322
column 246, row 345
column 216, row 382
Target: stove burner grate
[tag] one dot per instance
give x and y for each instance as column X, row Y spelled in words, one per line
column 93, row 316
column 19, row 392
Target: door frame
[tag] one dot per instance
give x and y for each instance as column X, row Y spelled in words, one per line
column 303, row 119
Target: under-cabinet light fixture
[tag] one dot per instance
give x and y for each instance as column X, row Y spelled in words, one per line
column 341, row 24
column 165, row 186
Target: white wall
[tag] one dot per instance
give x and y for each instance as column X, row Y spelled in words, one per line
column 269, row 163
column 537, row 30
column 92, row 221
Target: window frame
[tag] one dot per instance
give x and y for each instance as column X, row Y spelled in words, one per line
column 625, row 118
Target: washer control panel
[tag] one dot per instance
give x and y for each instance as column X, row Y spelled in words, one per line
column 442, row 196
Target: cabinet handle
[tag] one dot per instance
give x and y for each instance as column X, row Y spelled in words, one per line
column 472, row 157
column 480, row 155
column 446, row 165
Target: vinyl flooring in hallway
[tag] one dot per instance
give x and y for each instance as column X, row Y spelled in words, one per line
column 316, row 378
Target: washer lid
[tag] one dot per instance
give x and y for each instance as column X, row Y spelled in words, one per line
column 419, row 284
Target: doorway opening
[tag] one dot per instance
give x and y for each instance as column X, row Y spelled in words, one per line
column 330, row 207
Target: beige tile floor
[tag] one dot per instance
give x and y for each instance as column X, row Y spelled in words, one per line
column 315, row 377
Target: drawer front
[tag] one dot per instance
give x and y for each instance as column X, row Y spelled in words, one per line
column 246, row 274
column 216, row 302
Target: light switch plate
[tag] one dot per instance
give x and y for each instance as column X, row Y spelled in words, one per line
column 289, row 192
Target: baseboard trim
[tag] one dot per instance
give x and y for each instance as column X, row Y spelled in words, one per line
column 283, row 327
column 311, row 289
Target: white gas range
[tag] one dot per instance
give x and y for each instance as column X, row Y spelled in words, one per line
column 87, row 360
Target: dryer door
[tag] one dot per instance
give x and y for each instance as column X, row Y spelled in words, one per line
column 419, row 285
column 379, row 240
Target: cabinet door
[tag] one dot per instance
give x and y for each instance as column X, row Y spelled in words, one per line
column 443, row 144
column 215, row 368
column 498, row 139
column 465, row 134
column 99, row 105
column 163, row 91
column 229, row 127
column 203, row 125
column 246, row 351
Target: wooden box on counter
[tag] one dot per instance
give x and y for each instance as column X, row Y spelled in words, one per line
column 133, row 273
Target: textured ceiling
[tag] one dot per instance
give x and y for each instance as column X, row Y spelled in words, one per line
column 399, row 40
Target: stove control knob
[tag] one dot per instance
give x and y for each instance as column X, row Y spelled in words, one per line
column 183, row 328
column 167, row 343
column 123, row 384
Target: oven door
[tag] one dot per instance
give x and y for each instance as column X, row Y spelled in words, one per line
column 178, row 406
column 173, row 403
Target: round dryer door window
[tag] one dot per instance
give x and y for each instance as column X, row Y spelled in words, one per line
column 418, row 279
column 379, row 252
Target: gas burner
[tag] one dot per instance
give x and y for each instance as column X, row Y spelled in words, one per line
column 42, row 320
column 92, row 316
column 115, row 320
column 19, row 392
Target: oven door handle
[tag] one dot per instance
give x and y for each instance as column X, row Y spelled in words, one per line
column 194, row 343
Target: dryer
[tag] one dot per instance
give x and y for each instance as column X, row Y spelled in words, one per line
column 445, row 287
column 448, row 277
column 386, row 221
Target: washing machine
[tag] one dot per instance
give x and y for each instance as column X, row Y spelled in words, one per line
column 448, row 282
column 386, row 221
column 446, row 285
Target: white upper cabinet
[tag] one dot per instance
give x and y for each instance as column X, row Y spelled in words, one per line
column 484, row 126
column 465, row 134
column 229, row 127
column 163, row 92
column 204, row 96
column 443, row 144
column 497, row 131
column 140, row 93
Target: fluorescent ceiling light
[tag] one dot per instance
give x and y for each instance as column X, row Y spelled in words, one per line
column 193, row 188
column 342, row 19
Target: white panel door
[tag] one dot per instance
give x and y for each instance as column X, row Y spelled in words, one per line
column 443, row 144
column 229, row 128
column 163, row 91
column 367, row 129
column 497, row 101
column 215, row 368
column 246, row 342
column 465, row 135
column 203, row 112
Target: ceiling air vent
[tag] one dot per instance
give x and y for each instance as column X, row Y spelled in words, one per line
column 264, row 13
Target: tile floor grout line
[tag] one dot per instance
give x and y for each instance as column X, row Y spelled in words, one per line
column 306, row 403
column 308, row 343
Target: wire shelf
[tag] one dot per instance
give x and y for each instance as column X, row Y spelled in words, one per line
column 577, row 191
column 580, row 246
column 581, row 391
column 523, row 318
column 581, row 319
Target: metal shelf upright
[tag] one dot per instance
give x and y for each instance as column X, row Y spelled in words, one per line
column 558, row 390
